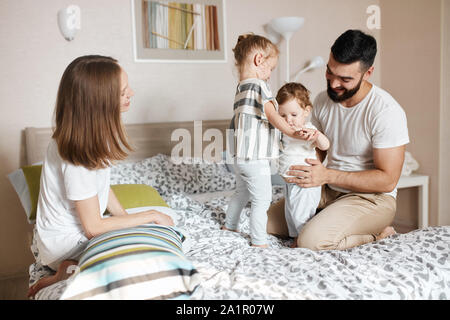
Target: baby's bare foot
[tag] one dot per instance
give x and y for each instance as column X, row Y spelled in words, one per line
column 387, row 232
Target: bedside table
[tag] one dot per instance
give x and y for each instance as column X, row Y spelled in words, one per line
column 420, row 181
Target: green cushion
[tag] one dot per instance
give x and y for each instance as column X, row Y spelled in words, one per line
column 33, row 177
column 129, row 195
column 137, row 195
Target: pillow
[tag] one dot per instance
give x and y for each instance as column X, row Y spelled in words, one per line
column 137, row 195
column 199, row 176
column 26, row 182
column 151, row 171
column 171, row 177
column 144, row 262
column 163, row 209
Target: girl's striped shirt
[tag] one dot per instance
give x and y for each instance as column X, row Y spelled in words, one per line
column 253, row 137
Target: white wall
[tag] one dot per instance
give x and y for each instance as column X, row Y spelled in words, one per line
column 411, row 62
column 34, row 55
column 444, row 168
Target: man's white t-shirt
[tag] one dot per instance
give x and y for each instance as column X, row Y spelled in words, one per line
column 377, row 122
column 59, row 230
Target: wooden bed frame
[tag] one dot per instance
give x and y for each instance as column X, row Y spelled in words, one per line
column 147, row 139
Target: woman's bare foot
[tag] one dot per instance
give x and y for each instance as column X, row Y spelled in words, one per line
column 387, row 232
column 264, row 246
column 60, row 275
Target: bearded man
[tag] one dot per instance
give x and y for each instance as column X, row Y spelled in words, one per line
column 368, row 134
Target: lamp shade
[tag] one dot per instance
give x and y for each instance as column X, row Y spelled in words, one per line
column 286, row 26
column 316, row 62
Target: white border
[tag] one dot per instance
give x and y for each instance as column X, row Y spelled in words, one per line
column 133, row 25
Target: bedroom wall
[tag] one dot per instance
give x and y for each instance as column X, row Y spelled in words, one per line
column 411, row 72
column 34, row 55
column 444, row 168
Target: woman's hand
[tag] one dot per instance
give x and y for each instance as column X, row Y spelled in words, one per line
column 161, row 218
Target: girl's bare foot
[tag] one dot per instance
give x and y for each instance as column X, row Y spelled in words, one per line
column 60, row 275
column 387, row 232
column 226, row 229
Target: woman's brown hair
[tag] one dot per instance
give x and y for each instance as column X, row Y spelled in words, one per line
column 249, row 42
column 89, row 130
column 294, row 90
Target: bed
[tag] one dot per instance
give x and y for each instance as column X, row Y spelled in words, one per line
column 415, row 265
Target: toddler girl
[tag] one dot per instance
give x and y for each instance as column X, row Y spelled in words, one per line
column 255, row 139
column 295, row 107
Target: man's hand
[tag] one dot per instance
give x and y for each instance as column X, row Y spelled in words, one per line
column 382, row 179
column 315, row 175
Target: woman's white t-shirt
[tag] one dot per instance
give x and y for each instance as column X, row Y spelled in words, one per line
column 377, row 122
column 59, row 230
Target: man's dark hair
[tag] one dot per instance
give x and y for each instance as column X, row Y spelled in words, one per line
column 355, row 45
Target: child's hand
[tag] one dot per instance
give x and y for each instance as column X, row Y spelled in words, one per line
column 307, row 134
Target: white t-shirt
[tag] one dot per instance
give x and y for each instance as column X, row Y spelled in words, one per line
column 378, row 121
column 295, row 151
column 59, row 229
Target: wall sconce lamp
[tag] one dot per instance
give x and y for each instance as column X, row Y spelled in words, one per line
column 69, row 21
column 315, row 63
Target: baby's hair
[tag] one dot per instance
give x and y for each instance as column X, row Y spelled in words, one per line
column 294, row 90
column 89, row 130
column 249, row 42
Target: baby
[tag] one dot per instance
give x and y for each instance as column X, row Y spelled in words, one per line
column 295, row 107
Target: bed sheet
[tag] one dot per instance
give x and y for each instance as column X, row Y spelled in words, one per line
column 405, row 266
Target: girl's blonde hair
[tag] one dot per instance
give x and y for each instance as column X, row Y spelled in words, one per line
column 89, row 130
column 249, row 42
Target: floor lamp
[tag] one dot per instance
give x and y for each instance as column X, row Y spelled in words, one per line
column 286, row 26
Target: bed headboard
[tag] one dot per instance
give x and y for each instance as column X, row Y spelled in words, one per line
column 147, row 139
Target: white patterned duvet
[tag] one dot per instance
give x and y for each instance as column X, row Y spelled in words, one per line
column 405, row 266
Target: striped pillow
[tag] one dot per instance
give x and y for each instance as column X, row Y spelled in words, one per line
column 144, row 262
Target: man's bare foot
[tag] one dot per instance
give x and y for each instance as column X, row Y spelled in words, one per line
column 264, row 246
column 60, row 275
column 294, row 244
column 226, row 229
column 387, row 232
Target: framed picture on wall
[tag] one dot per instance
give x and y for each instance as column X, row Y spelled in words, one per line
column 187, row 31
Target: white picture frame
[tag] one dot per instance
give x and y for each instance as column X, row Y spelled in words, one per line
column 146, row 55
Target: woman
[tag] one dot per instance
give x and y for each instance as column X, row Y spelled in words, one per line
column 75, row 190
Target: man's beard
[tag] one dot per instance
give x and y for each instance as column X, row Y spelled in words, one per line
column 347, row 94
